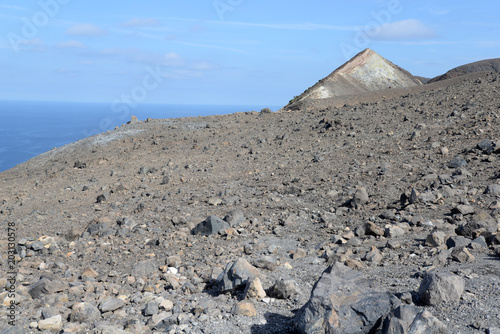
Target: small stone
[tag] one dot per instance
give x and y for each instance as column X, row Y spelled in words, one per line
column 236, row 275
column 487, row 146
column 360, row 198
column 413, row 196
column 464, row 209
column 173, row 261
column 53, row 324
column 101, row 199
column 457, row 241
column 300, row 253
column 144, row 268
column 234, row 218
column 435, row 239
column 245, row 308
column 166, row 304
column 493, row 189
column 372, row 229
column 392, row 231
column 210, row 226
column 85, row 313
column 214, row 201
column 462, row 255
column 284, row 289
column 479, row 243
column 166, row 180
column 89, row 272
column 110, row 305
column 254, row 289
column 457, row 162
column 46, row 286
column 151, row 308
column 354, row 264
column 374, row 256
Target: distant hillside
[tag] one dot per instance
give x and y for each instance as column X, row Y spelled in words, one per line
column 365, row 72
column 423, row 80
column 488, row 65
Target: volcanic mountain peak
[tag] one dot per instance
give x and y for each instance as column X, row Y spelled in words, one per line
column 365, row 72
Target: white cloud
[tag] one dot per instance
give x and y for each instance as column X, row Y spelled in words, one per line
column 137, row 22
column 410, row 29
column 70, row 45
column 170, row 59
column 203, row 66
column 183, row 74
column 13, row 7
column 34, row 44
column 281, row 26
column 85, row 29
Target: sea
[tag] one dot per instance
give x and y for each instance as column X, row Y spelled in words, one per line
column 29, row 128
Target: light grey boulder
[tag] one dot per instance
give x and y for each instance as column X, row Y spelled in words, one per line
column 440, row 287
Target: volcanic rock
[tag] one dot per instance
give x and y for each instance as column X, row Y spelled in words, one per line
column 344, row 301
column 236, row 275
column 210, row 226
column 408, row 319
column 440, row 287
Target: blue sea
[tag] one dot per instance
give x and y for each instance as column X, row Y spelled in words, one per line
column 28, row 129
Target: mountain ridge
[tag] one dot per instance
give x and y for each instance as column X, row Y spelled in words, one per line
column 486, row 65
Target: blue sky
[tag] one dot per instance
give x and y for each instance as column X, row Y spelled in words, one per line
column 224, row 51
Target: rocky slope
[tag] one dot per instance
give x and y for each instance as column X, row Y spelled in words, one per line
column 365, row 72
column 488, row 65
column 226, row 224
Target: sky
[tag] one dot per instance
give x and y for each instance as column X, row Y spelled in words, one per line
column 225, row 51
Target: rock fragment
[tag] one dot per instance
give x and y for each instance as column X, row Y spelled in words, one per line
column 462, row 255
column 245, row 308
column 236, row 275
column 111, row 304
column 284, row 289
column 344, row 301
column 435, row 238
column 254, row 289
column 360, row 198
column 85, row 313
column 440, row 287
column 144, row 268
column 457, row 162
column 46, row 286
column 210, row 226
column 52, row 324
column 408, row 319
column 372, row 229
column 234, row 218
column 486, row 146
